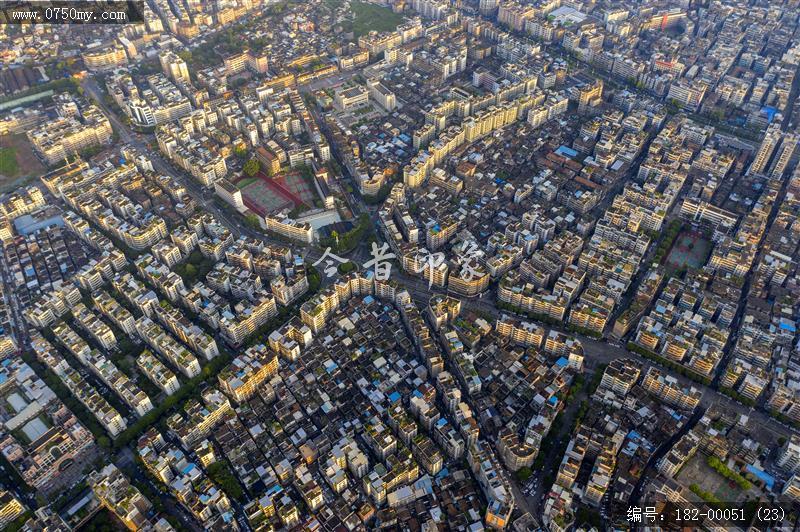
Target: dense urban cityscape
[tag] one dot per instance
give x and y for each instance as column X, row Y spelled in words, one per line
column 400, row 265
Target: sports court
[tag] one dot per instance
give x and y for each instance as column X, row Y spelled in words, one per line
column 691, row 249
column 299, row 186
column 263, row 199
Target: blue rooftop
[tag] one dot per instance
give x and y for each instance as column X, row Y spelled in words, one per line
column 566, row 152
column 630, row 448
column 765, row 477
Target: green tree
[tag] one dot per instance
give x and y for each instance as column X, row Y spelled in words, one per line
column 222, row 475
column 346, row 267
column 585, row 516
column 524, row 473
column 252, row 221
column 717, row 115
column 252, row 167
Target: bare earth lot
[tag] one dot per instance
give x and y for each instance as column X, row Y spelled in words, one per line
column 17, row 162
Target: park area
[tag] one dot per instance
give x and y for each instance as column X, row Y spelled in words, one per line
column 690, row 250
column 17, row 161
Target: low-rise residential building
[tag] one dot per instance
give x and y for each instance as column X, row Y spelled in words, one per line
column 248, row 371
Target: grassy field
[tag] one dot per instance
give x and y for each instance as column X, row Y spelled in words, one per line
column 8, row 162
column 245, row 181
column 18, row 163
column 371, row 17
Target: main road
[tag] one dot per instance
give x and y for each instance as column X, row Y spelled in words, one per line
column 597, row 352
column 204, row 197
